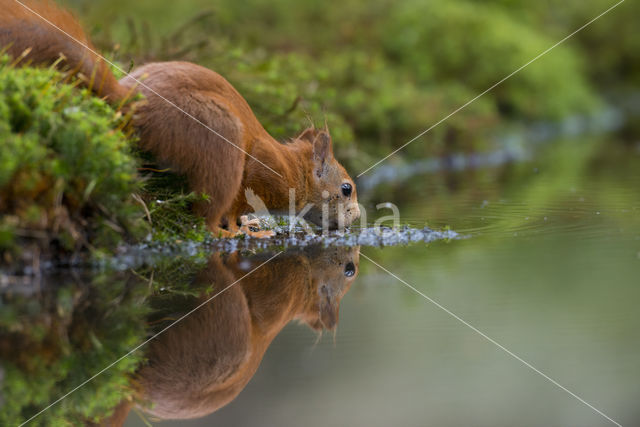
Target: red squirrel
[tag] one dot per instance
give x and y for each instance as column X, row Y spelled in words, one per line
column 203, row 362
column 196, row 122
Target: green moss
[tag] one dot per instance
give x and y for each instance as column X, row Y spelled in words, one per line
column 66, row 170
column 172, row 218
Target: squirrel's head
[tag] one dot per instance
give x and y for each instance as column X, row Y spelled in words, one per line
column 332, row 190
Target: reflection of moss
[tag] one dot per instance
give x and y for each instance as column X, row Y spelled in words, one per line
column 66, row 174
column 172, row 281
column 53, row 340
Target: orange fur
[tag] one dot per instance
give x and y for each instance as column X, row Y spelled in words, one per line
column 21, row 29
column 204, row 362
column 212, row 165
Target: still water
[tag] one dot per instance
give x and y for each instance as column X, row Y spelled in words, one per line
column 513, row 325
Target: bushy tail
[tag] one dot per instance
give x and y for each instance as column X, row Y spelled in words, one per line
column 39, row 33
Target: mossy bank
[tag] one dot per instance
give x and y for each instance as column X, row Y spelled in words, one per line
column 67, row 170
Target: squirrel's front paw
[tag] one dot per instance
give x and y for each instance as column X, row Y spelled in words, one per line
column 245, row 221
column 251, row 227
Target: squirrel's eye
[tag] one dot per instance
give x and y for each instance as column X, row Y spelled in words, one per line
column 349, row 270
column 346, row 189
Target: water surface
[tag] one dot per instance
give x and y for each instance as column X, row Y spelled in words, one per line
column 549, row 271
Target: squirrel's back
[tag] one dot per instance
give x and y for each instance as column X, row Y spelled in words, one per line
column 193, row 120
column 40, row 33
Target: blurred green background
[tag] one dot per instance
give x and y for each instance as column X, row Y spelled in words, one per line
column 550, row 269
column 381, row 71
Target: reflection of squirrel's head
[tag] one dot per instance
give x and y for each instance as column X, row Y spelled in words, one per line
column 331, row 188
column 333, row 270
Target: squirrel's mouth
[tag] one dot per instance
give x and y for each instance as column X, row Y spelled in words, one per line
column 332, row 224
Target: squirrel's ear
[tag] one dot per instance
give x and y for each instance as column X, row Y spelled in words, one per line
column 309, row 134
column 322, row 151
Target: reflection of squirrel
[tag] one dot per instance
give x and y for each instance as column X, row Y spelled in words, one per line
column 203, row 362
column 211, row 163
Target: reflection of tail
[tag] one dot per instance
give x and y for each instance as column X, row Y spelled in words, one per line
column 39, row 33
